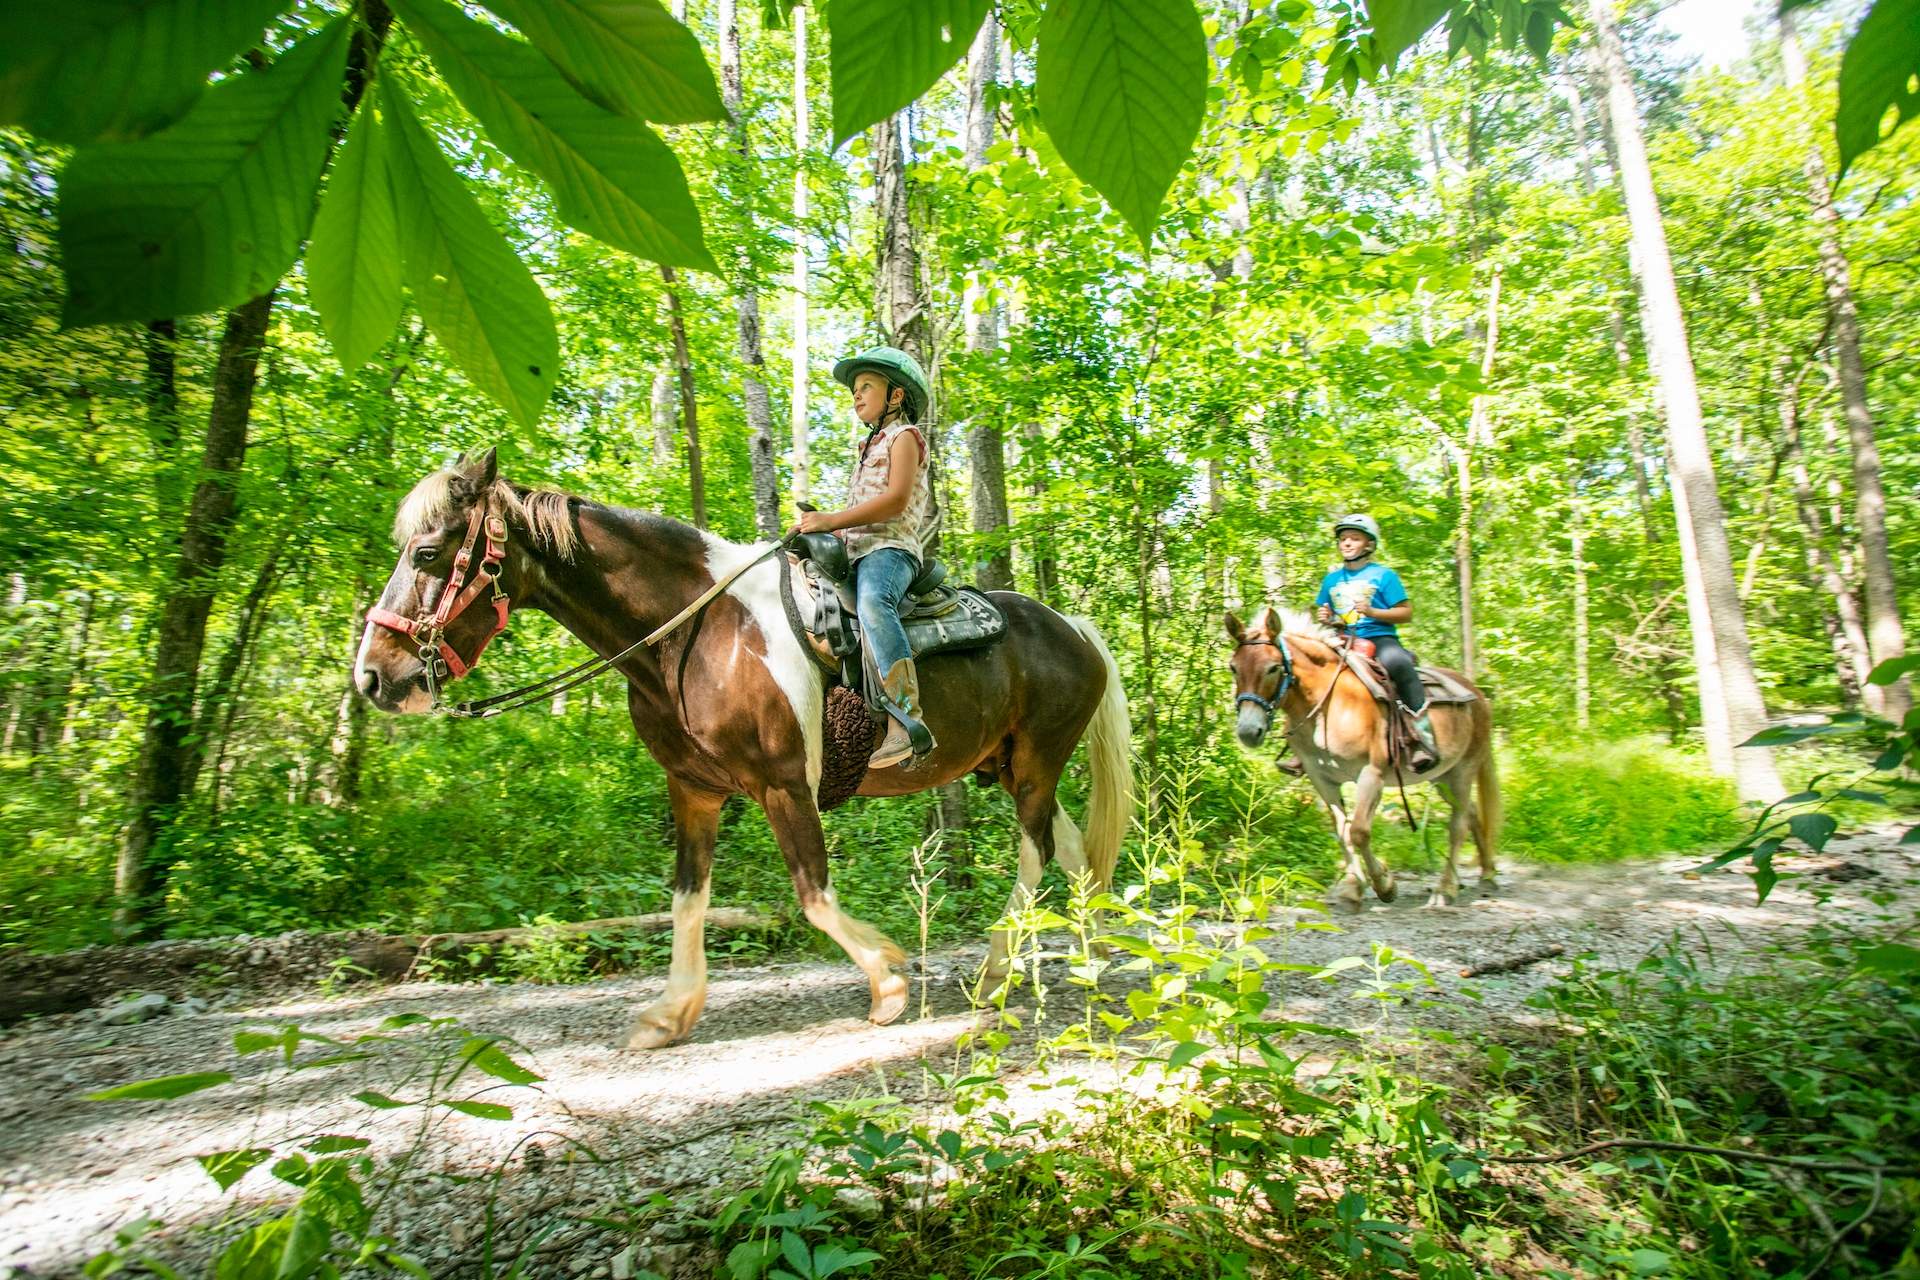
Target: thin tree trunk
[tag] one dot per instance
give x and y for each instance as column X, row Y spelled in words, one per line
column 1746, row 712
column 660, row 410
column 689, row 406
column 166, row 748
column 802, row 461
column 1845, row 628
column 1582, row 677
column 215, row 715
column 986, row 446
column 1884, row 631
column 753, row 385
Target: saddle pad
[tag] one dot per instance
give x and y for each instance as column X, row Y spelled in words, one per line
column 1444, row 686
column 973, row 621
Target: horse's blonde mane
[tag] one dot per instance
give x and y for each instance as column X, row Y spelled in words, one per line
column 435, row 501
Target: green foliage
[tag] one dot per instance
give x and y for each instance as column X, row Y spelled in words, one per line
column 1122, row 85
column 478, row 298
column 140, row 65
column 331, row 1224
column 886, row 55
column 1612, row 801
column 212, row 211
column 630, row 56
column 1877, row 75
column 353, row 265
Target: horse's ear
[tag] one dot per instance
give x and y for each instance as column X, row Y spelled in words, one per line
column 1269, row 621
column 1236, row 629
column 474, row 474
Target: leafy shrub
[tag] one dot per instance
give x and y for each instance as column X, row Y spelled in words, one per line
column 1608, row 801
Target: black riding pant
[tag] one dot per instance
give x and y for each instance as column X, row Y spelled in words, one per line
column 1400, row 669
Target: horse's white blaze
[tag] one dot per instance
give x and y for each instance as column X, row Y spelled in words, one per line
column 797, row 674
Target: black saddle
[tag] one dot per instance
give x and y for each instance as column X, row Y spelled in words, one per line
column 938, row 617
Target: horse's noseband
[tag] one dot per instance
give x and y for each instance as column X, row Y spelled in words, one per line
column 1286, row 680
column 429, row 629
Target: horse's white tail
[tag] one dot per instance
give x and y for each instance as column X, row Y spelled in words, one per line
column 1110, row 756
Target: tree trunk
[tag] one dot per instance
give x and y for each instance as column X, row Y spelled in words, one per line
column 689, row 406
column 1723, row 618
column 1884, row 631
column 802, row 461
column 660, row 410
column 1582, row 678
column 214, row 718
column 753, row 385
column 986, row 446
column 166, row 747
column 1843, row 621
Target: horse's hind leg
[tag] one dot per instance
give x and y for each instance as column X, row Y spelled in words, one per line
column 696, row 823
column 1459, row 801
column 796, row 825
column 1033, row 783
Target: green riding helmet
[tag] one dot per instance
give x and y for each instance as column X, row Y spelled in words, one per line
column 896, row 366
column 1359, row 524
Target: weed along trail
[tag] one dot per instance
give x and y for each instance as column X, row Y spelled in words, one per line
column 486, row 1123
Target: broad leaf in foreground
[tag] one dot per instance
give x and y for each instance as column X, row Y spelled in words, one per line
column 1399, row 24
column 353, row 264
column 884, row 54
column 471, row 288
column 630, row 56
column 81, row 71
column 612, row 176
column 211, row 212
column 1877, row 72
column 1122, row 88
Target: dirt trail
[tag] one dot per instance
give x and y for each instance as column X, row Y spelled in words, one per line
column 773, row 1037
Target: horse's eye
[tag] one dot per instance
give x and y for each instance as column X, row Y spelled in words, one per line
column 424, row 556
column 1273, row 668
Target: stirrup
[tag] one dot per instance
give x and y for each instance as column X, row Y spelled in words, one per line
column 919, row 741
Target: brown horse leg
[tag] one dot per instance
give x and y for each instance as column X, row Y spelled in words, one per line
column 696, row 823
column 1367, row 790
column 796, row 825
column 1347, row 892
column 1460, row 804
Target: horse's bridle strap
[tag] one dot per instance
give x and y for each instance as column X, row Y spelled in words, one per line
column 429, row 630
column 1287, row 678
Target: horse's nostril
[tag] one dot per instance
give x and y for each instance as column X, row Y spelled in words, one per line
column 368, row 680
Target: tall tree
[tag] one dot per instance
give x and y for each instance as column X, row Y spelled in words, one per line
column 1884, row 632
column 1697, row 492
column 753, row 386
column 986, row 445
column 802, row 462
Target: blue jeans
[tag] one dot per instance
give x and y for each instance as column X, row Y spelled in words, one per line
column 880, row 583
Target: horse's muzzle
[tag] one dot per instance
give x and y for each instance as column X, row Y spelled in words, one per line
column 1251, row 727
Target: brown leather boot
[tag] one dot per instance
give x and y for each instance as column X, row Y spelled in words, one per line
column 907, row 735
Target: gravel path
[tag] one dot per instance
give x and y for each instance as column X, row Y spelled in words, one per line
column 694, row 1118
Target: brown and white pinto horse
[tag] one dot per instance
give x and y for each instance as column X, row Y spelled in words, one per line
column 1292, row 665
column 748, row 718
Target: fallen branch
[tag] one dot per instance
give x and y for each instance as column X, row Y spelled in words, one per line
column 1511, row 963
column 1729, row 1153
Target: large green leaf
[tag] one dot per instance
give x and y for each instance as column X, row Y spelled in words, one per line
column 884, row 53
column 472, row 289
column 164, row 1086
column 1399, row 24
column 81, row 71
column 353, row 264
column 630, row 56
column 1876, row 73
column 210, row 212
column 612, row 176
column 1122, row 88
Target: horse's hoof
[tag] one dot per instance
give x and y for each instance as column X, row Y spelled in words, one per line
column 1439, row 899
column 1346, row 897
column 1389, row 893
column 889, row 1000
column 1488, row 886
column 652, row 1035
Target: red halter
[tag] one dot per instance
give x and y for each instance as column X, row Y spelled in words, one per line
column 429, row 631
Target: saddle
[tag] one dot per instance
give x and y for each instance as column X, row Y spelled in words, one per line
column 816, row 590
column 1443, row 687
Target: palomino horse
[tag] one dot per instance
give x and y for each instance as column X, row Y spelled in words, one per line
column 734, row 705
column 1338, row 729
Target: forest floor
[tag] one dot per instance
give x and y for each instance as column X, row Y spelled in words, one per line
column 698, row 1119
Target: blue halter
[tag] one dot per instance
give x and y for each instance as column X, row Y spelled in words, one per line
column 1286, row 680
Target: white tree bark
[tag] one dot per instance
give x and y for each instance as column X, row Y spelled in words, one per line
column 1697, row 493
column 753, row 386
column 802, row 461
column 986, row 445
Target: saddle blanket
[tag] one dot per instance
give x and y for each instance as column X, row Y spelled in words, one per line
column 1443, row 687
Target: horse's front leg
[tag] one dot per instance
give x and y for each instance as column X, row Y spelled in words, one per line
column 796, row 825
column 1367, row 790
column 1349, row 891
column 696, row 824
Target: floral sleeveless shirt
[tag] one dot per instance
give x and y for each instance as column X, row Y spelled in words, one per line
column 913, row 527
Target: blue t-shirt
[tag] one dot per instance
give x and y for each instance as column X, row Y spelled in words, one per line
column 1374, row 585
